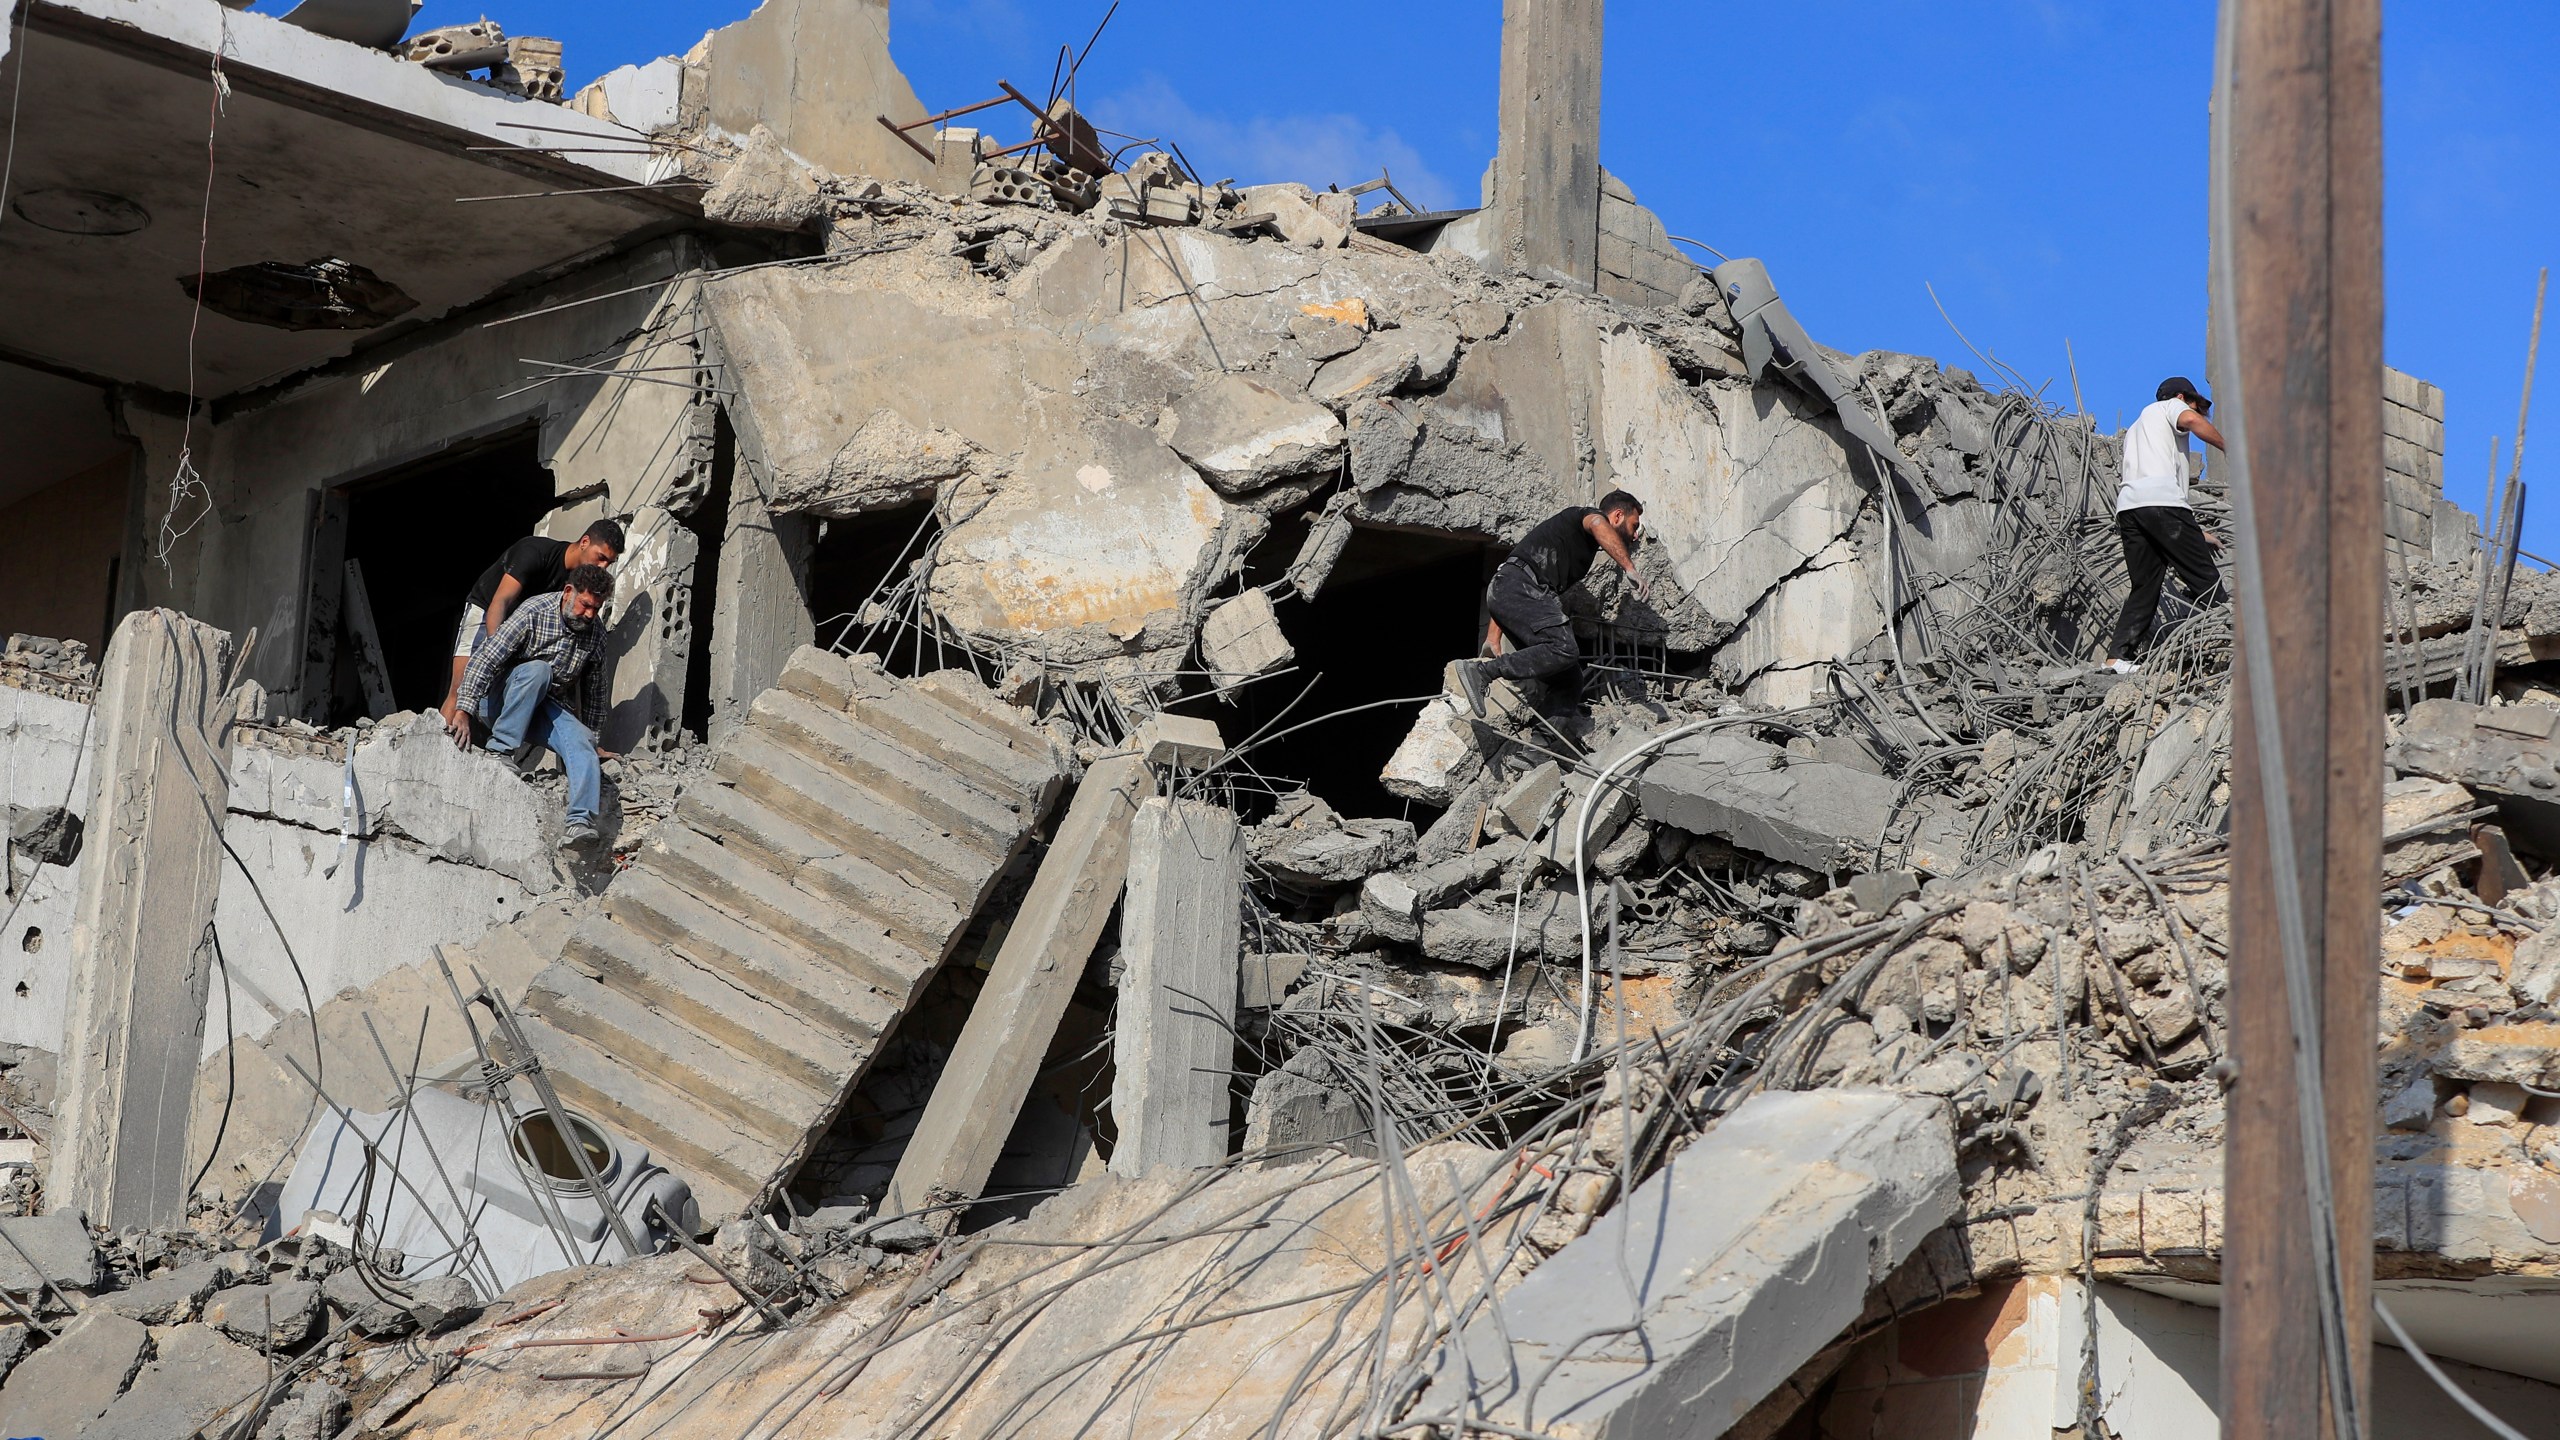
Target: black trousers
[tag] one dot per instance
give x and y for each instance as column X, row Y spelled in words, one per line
column 2158, row 538
column 1540, row 637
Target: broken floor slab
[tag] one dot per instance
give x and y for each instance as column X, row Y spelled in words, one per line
column 1766, row 800
column 1748, row 1252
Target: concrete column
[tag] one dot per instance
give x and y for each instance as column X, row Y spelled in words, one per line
column 1174, row 1046
column 140, row 965
column 999, row 1052
column 1547, row 169
column 761, row 615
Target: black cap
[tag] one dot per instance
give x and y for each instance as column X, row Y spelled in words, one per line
column 2179, row 386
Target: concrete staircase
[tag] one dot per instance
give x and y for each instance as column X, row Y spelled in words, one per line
column 737, row 980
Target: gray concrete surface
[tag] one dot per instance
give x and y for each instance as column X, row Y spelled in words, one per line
column 141, row 967
column 1805, row 812
column 1174, row 1041
column 1035, row 972
column 1747, row 1253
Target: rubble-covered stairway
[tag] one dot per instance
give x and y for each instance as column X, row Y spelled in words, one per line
column 743, row 972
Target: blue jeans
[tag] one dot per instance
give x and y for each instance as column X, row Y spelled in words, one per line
column 526, row 711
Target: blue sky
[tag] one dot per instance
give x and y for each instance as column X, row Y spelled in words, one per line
column 2041, row 163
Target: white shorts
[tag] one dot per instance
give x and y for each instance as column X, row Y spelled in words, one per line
column 475, row 619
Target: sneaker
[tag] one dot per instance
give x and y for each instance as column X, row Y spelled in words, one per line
column 2124, row 667
column 1471, row 683
column 578, row 836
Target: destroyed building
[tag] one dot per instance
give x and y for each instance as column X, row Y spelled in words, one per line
column 1064, row 954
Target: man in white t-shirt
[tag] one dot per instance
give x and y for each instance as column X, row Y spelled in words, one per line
column 2153, row 520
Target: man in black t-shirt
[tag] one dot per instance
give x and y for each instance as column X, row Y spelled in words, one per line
column 531, row 566
column 1526, row 595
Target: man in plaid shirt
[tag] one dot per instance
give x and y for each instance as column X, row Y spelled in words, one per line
column 539, row 665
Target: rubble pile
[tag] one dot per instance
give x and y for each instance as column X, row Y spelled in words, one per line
column 61, row 668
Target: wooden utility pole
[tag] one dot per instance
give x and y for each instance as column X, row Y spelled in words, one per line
column 2303, row 223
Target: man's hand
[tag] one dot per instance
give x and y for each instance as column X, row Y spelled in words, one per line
column 458, row 725
column 1644, row 589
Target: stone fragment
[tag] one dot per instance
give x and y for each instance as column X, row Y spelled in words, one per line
column 1442, row 881
column 1242, row 435
column 1332, row 857
column 382, row 1316
column 1609, row 814
column 1846, row 1045
column 1437, row 758
column 194, row 1376
column 1875, row 894
column 440, row 1302
column 1174, row 1042
column 2525, row 1053
column 1179, row 742
column 2412, row 1106
column 60, row 1246
column 64, row 1387
column 1293, row 212
column 1241, row 638
column 1393, row 906
column 1762, row 1241
column 1297, row 1108
column 1376, row 369
column 315, row 1410
column 48, row 836
column 169, row 1299
column 1321, row 338
column 765, row 188
column 2535, row 975
column 15, row 1342
column 1525, row 808
column 1384, row 436
column 279, row 1315
column 2496, row 1102
column 1757, row 796
column 1479, row 320
column 1265, row 979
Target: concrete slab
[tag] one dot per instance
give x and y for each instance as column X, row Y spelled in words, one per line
column 67, row 1385
column 59, row 1244
column 999, row 1051
column 1747, row 1253
column 194, row 1377
column 1241, row 434
column 1174, row 1046
column 1804, row 812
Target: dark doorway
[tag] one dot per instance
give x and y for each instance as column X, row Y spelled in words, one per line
column 1398, row 608
column 847, row 567
column 422, row 535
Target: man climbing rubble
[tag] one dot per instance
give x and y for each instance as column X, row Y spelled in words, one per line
column 2153, row 518
column 531, row 566
column 1526, row 596
column 540, row 663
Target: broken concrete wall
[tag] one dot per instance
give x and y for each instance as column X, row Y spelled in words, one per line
column 1110, row 429
column 445, row 844
column 242, row 560
column 818, row 72
column 46, row 747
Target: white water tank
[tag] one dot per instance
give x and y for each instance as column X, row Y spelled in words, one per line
column 448, row 1184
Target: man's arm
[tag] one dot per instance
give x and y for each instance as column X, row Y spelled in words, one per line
column 2194, row 423
column 502, row 602
column 1607, row 534
column 491, row 659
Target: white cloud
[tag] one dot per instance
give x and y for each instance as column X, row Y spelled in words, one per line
column 1318, row 150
